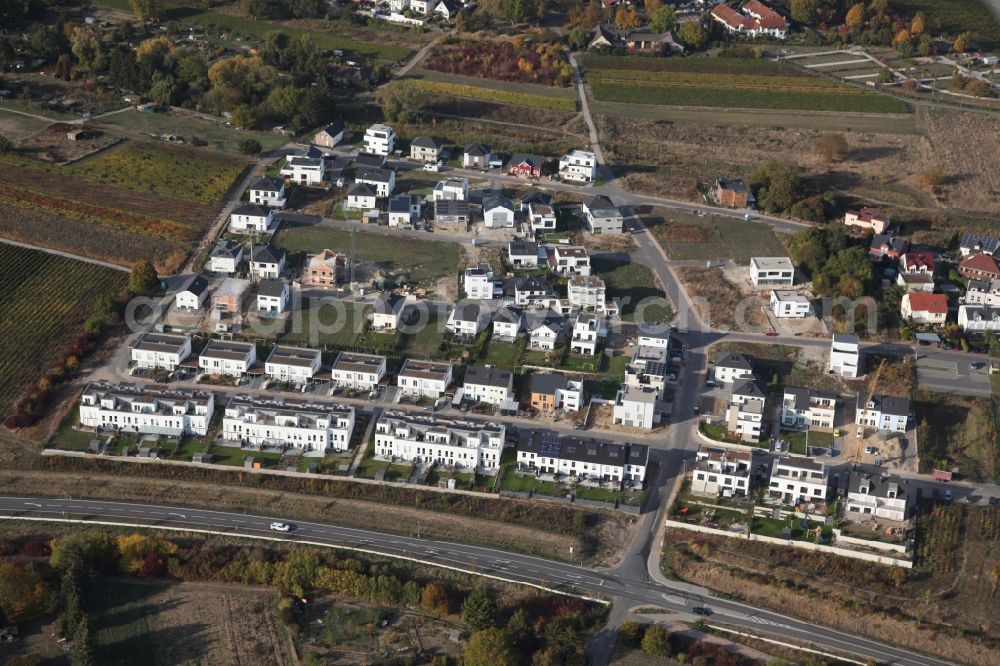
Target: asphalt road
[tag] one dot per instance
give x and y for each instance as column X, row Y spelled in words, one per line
column 672, row 596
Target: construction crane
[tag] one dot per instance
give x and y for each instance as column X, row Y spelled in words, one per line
column 872, row 385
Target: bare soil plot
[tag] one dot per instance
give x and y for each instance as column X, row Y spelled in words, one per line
column 967, row 148
column 956, row 430
column 137, row 623
column 16, row 127
column 53, row 145
column 719, row 302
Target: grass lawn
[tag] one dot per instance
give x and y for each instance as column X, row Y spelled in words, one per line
column 597, row 494
column 516, row 483
column 70, row 439
column 685, row 236
column 713, row 431
column 329, row 325
column 615, row 366
column 796, row 441
column 422, row 261
column 426, row 343
column 634, row 287
column 188, row 126
column 231, row 455
column 502, row 354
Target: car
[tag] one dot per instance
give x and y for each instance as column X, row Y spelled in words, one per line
column 977, row 366
column 278, row 526
column 702, row 610
column 947, row 495
column 971, row 499
column 836, row 432
column 871, row 450
column 432, row 167
column 770, row 334
column 994, row 501
column 759, row 452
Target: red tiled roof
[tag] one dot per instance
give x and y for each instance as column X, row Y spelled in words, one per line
column 983, row 263
column 917, row 260
column 923, row 302
column 768, row 17
column 731, row 17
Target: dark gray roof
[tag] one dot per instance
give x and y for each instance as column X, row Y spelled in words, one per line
column 389, row 303
column 400, row 203
column 522, row 247
column 551, row 445
column 547, row 383
column 894, row 243
column 361, row 190
column 467, row 312
column 738, row 361
column 531, row 283
column 427, row 142
column 984, row 243
column 375, row 174
column 257, row 210
column 536, row 198
column 297, row 356
column 451, row 208
column 160, row 342
column 333, row 129
column 271, row 288
column 229, row 349
column 489, row 376
column 268, row 184
column 304, row 161
column 535, row 161
column 800, row 397
column 601, row 202
column 491, row 201
column 364, row 159
column 887, row 404
column 477, row 150
column 227, row 248
column 748, row 386
column 508, row 314
column 268, row 254
column 358, row 362
column 878, row 485
column 734, row 184
column 196, row 285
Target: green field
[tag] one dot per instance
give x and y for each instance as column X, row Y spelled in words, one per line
column 633, row 283
column 45, row 300
column 335, row 325
column 499, row 96
column 188, row 127
column 687, row 237
column 727, row 83
column 421, row 261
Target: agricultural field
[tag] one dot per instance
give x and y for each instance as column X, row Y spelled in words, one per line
column 515, row 60
column 136, row 623
column 45, row 300
column 189, row 127
column 494, row 95
column 728, row 83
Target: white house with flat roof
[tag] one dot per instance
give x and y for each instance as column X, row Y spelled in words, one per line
column 637, row 406
column 424, row 379
column 845, row 355
column 292, row 364
column 360, row 372
column 160, row 350
column 227, row 357
column 790, row 305
column 305, row 170
column 772, row 272
column 579, row 166
column 147, row 410
column 455, row 443
column 291, row 423
column 796, row 479
column 380, row 139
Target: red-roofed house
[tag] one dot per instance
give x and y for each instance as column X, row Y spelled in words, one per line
column 867, row 218
column 756, row 20
column 771, row 22
column 917, row 262
column 979, row 267
column 924, row 308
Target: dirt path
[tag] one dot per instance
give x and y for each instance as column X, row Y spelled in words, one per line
column 68, row 255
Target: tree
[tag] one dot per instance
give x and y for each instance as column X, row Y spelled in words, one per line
column 86, row 47
column 654, row 641
column 630, row 633
column 436, row 599
column 855, row 16
column 250, row 146
column 244, row 117
column 83, row 645
column 23, row 593
column 490, row 647
column 401, row 101
column 5, row 144
column 663, row 19
column 931, row 177
column 693, row 34
column 147, row 10
column 578, row 37
column 962, row 42
column 903, row 42
column 918, row 24
column 651, row 6
column 978, row 88
column 831, row 147
column 777, row 186
column 479, row 611
column 143, row 278
column 626, row 18
column 805, row 11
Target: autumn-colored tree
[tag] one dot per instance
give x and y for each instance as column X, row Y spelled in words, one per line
column 651, row 6
column 626, row 18
column 909, row 85
column 994, row 577
column 962, row 42
column 436, row 599
column 831, row 147
column 931, row 177
column 23, row 593
column 654, row 641
column 855, row 16
column 879, row 6
column 490, row 647
column 805, row 11
column 903, row 41
column 693, row 34
column 142, row 279
column 918, row 24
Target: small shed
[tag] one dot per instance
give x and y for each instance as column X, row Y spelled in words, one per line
column 202, row 457
column 76, row 134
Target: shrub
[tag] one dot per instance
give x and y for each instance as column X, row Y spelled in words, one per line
column 250, row 146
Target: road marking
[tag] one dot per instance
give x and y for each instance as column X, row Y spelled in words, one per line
column 762, row 620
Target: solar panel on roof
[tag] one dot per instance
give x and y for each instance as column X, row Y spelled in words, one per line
column 548, row 445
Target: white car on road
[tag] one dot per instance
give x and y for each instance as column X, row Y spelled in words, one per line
column 280, row 527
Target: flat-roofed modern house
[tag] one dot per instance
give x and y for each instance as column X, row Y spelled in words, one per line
column 293, row 364
column 796, row 479
column 772, row 272
column 380, row 139
column 454, row 443
column 579, row 166
column 288, row 423
column 424, row 379
column 150, row 410
column 160, row 350
column 227, row 357
column 845, row 355
column 584, row 459
column 790, row 305
column 359, row 372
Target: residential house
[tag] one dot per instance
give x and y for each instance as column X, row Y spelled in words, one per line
column 383, row 181
column 389, row 312
column 523, row 165
column 979, row 317
column 268, row 191
column 636, row 407
column 508, row 323
column 584, row 459
column 305, row 170
column 979, row 267
column 358, row 372
column 426, row 439
column 884, row 412
column 588, row 332
column 329, row 136
column 230, row 296
column 790, row 305
column 605, row 38
column 544, row 329
column 757, row 20
column 288, row 423
column 531, row 290
column 522, row 254
column 578, row 166
column 535, row 198
column 732, row 367
column 602, row 216
column 476, row 156
column 973, row 243
column 478, row 282
column 746, row 410
column 923, row 308
column 272, row 297
column 451, row 189
column 452, row 212
column 227, row 357
column 467, row 320
column 498, row 212
column 326, row 269
column 380, row 139
column 882, row 497
column 361, row 196
column 541, row 218
column 426, row 149
column 772, row 272
column 448, row 9
column 160, row 351
column 916, row 271
column 983, row 292
column 366, row 160
column 251, row 218
column 193, row 295
column 733, row 193
column 653, row 43
column 867, row 219
column 226, row 257
column 887, row 247
column 795, row 480
column 487, row 384
column 148, row 409
column 550, row 391
column 424, row 379
column 721, row 472
column 803, row 408
column 404, row 210
column 266, row 261
column 586, row 292
column 567, row 260
column 845, row 355
column 296, row 365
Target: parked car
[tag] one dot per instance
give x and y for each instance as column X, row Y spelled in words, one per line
column 770, row 334
column 702, row 610
column 432, row 167
column 280, row 527
column 947, row 495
